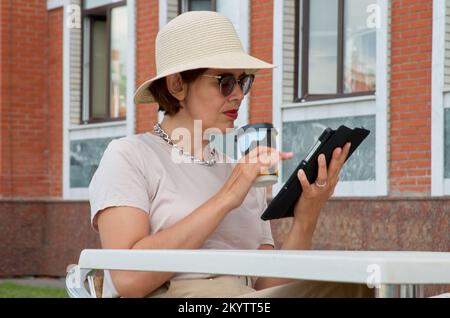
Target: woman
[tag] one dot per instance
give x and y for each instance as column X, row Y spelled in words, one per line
column 142, row 197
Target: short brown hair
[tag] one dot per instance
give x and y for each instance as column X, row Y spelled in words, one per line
column 167, row 103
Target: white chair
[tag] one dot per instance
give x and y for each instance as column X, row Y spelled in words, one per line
column 393, row 273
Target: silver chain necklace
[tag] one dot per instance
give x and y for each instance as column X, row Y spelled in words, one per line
column 157, row 129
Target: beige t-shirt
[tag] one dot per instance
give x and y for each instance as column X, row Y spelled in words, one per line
column 138, row 171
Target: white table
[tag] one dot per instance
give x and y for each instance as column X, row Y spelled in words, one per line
column 396, row 273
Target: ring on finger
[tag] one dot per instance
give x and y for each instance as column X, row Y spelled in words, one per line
column 321, row 185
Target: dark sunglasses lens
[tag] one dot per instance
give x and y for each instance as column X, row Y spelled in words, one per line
column 246, row 83
column 227, row 85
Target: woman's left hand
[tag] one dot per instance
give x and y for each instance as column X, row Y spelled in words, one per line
column 314, row 196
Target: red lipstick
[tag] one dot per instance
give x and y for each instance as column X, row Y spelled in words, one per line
column 232, row 113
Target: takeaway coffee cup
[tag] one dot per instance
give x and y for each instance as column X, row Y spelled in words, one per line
column 252, row 136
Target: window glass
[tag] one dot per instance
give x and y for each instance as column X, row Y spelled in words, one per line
column 119, row 41
column 323, row 41
column 359, row 47
column 299, row 137
column 200, row 5
column 99, row 68
column 85, row 156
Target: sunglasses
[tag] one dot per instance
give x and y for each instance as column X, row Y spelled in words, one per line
column 227, row 83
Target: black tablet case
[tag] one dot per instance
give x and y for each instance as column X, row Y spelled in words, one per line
column 283, row 204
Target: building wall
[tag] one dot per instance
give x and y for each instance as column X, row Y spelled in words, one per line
column 261, row 40
column 401, row 221
column 41, row 238
column 55, row 100
column 288, row 51
column 381, row 224
column 415, row 224
column 410, row 100
column 5, row 97
column 26, row 119
column 75, row 70
column 172, row 9
column 447, row 45
column 53, row 233
column 147, row 24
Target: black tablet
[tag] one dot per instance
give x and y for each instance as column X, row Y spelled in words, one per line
column 283, row 204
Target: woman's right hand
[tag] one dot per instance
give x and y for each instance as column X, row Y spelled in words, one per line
column 246, row 171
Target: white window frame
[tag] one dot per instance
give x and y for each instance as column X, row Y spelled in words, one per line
column 440, row 185
column 440, row 100
column 87, row 56
column 101, row 130
column 351, row 106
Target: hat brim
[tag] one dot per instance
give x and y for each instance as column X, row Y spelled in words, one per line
column 228, row 60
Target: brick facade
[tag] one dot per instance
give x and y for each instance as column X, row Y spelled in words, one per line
column 5, row 98
column 147, row 25
column 55, row 100
column 31, row 112
column 261, row 46
column 410, row 104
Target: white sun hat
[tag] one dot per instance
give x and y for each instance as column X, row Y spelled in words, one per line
column 197, row 39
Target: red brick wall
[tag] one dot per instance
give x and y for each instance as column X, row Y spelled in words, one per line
column 410, row 104
column 5, row 97
column 55, row 95
column 261, row 46
column 147, row 24
column 25, row 113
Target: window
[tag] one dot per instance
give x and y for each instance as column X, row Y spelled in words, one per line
column 196, row 5
column 106, row 37
column 303, row 116
column 335, row 48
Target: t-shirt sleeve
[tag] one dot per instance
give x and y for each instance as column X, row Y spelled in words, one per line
column 266, row 237
column 119, row 180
